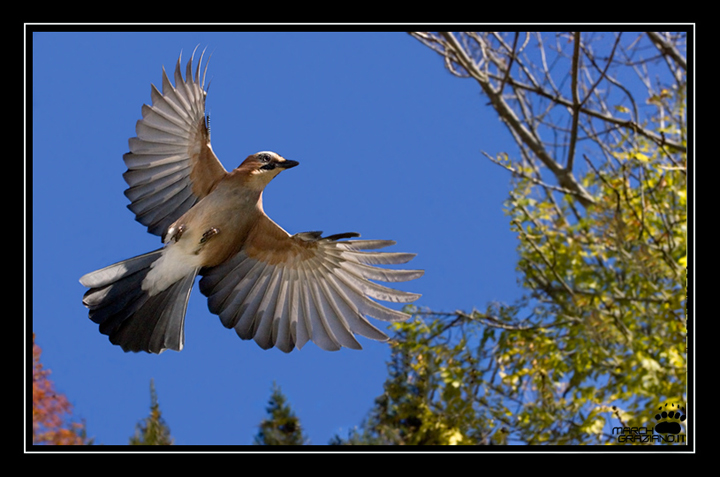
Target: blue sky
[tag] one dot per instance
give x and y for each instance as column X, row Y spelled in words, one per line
column 389, row 145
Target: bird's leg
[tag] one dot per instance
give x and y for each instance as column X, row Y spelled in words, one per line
column 209, row 233
column 176, row 234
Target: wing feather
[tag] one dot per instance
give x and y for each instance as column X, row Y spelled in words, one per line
column 240, row 312
column 263, row 323
column 156, row 118
column 171, row 164
column 364, row 244
column 281, row 333
column 378, row 258
column 357, row 323
column 251, row 308
column 283, row 290
column 335, row 323
column 322, row 335
column 382, row 274
column 374, row 290
column 305, row 318
column 166, row 106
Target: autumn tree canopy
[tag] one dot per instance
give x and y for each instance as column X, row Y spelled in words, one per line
column 598, row 200
column 53, row 422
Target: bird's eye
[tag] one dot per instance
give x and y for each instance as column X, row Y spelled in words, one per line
column 264, row 158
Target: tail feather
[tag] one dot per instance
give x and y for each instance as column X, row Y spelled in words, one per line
column 116, row 271
column 129, row 315
column 159, row 323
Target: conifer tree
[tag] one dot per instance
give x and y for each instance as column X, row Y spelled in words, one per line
column 281, row 427
column 152, row 431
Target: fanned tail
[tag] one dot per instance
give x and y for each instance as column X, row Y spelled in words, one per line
column 129, row 315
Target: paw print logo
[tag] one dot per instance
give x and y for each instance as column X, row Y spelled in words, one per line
column 669, row 418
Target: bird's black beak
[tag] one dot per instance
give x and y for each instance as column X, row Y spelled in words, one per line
column 286, row 164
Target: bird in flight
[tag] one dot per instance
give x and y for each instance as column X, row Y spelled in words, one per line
column 278, row 289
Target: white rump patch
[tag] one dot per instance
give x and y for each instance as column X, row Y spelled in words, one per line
column 173, row 265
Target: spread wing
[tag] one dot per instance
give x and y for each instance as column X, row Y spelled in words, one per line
column 171, row 164
column 283, row 290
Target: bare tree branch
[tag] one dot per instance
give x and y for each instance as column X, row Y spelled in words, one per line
column 572, row 97
column 530, row 178
column 667, row 48
column 564, row 176
column 575, row 102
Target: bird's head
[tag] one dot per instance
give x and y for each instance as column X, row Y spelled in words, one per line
column 260, row 168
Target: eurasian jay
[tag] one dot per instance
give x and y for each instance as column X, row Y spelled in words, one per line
column 279, row 289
